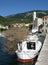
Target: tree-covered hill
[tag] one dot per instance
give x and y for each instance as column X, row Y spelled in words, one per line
column 25, row 17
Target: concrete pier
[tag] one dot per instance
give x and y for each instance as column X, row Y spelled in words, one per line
column 43, row 56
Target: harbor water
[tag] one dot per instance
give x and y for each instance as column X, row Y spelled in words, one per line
column 8, row 59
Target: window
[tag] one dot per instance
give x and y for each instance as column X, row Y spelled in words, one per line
column 31, row 45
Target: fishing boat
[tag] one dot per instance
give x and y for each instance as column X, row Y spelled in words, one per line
column 28, row 49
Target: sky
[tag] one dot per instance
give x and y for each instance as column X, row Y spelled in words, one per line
column 8, row 7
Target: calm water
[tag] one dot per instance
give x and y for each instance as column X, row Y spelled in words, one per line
column 7, row 59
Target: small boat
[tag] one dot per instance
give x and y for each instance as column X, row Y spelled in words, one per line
column 28, row 49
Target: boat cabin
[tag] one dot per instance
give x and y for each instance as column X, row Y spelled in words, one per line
column 26, row 45
column 31, row 45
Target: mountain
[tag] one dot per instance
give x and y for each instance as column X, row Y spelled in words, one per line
column 25, row 17
column 3, row 20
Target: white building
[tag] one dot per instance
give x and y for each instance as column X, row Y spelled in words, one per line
column 45, row 22
column 4, row 27
column 34, row 16
column 34, row 20
column 39, row 21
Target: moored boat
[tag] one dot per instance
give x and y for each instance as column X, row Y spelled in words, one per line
column 28, row 49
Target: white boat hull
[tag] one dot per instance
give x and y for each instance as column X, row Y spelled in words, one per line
column 26, row 56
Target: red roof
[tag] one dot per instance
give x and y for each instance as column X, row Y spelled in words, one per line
column 45, row 17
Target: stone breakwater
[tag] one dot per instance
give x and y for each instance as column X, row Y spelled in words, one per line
column 13, row 36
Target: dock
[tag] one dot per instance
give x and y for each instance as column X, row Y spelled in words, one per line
column 43, row 56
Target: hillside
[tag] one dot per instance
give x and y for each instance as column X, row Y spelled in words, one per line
column 25, row 17
column 4, row 21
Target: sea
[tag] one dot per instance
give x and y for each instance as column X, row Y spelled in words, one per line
column 8, row 59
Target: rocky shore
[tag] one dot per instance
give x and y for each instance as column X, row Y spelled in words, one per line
column 13, row 36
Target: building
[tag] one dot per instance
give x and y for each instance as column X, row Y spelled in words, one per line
column 40, row 21
column 45, row 20
column 3, row 27
column 34, row 20
column 34, row 16
column 45, row 23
